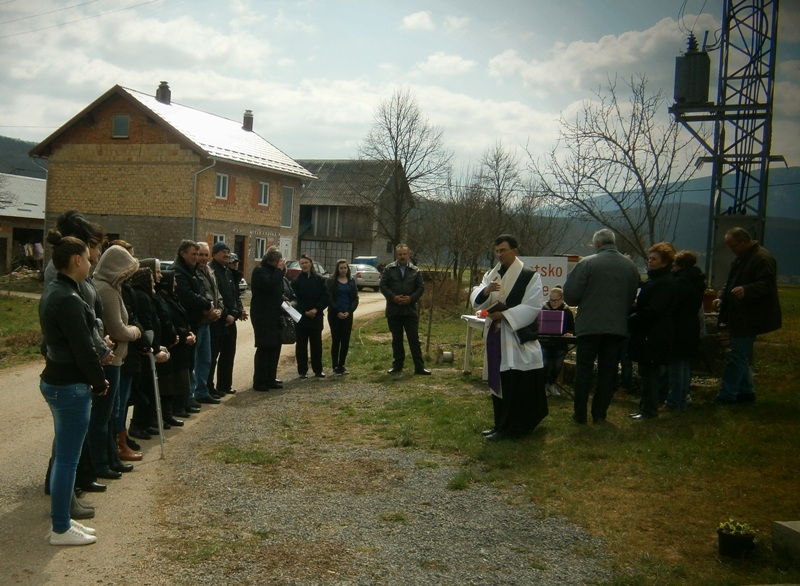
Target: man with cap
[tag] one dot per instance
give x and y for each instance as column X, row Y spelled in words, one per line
column 223, row 331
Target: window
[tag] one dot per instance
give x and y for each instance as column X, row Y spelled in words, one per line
column 261, row 248
column 218, row 238
column 263, row 194
column 121, row 126
column 222, row 186
column 288, row 207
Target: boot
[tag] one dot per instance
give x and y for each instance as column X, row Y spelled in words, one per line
column 78, row 511
column 125, row 453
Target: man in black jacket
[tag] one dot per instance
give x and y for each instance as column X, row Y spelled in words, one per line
column 223, row 331
column 401, row 284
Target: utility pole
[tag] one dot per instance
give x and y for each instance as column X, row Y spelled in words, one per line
column 741, row 118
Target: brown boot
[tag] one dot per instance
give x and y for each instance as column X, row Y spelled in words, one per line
column 125, row 453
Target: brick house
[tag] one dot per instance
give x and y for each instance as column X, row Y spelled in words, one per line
column 340, row 213
column 153, row 172
column 22, row 201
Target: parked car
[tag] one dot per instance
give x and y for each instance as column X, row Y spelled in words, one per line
column 366, row 276
column 293, row 269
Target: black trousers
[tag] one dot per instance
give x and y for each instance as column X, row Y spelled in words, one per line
column 265, row 366
column 223, row 354
column 524, row 402
column 410, row 324
column 340, row 338
column 306, row 338
column 605, row 349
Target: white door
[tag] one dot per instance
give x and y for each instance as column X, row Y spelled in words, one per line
column 285, row 247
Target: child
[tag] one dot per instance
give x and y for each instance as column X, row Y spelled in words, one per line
column 554, row 351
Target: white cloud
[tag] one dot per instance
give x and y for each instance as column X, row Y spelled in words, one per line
column 455, row 24
column 419, row 21
column 440, row 64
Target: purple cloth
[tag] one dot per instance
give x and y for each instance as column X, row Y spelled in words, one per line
column 493, row 358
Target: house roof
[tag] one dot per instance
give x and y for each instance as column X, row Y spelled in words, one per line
column 345, row 182
column 22, row 197
column 211, row 135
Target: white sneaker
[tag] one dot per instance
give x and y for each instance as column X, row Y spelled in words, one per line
column 552, row 390
column 72, row 536
column 84, row 528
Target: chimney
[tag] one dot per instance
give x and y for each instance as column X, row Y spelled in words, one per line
column 247, row 122
column 163, row 94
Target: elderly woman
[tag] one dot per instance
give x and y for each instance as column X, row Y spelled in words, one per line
column 652, row 328
column 72, row 374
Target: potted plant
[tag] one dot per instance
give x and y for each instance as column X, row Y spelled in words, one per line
column 736, row 539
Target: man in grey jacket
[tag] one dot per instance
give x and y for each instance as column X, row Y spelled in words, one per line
column 603, row 286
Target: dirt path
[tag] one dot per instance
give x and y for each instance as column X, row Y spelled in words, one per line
column 125, row 519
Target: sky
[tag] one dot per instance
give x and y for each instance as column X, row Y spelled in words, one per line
column 314, row 72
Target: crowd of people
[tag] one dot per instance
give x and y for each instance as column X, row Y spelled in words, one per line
column 133, row 350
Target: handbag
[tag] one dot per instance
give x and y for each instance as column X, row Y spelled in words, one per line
column 288, row 332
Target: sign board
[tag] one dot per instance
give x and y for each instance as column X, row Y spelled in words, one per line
column 552, row 269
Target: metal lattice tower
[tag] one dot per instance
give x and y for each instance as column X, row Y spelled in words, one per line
column 742, row 122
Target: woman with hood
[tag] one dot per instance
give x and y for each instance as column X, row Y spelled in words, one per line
column 115, row 265
column 690, row 284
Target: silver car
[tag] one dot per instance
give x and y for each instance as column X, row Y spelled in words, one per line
column 366, row 276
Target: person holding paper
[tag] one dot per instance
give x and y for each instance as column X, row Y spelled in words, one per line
column 512, row 296
column 266, row 284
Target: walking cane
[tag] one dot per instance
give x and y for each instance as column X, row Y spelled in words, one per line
column 149, row 335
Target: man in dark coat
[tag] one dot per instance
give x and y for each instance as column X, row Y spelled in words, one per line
column 223, row 331
column 402, row 286
column 266, row 285
column 748, row 306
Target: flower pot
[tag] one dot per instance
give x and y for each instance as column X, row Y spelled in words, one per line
column 736, row 546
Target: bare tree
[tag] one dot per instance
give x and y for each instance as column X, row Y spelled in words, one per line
column 538, row 226
column 414, row 148
column 499, row 175
column 617, row 165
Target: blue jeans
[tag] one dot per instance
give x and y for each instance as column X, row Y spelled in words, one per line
column 202, row 362
column 70, row 406
column 99, row 432
column 680, row 378
column 737, row 379
column 120, row 417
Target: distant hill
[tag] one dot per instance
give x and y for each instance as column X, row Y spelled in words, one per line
column 14, row 158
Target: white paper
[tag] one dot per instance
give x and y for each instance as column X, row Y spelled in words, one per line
column 293, row 313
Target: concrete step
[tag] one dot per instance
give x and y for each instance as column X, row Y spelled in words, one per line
column 786, row 538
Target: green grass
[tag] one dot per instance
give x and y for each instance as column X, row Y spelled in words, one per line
column 20, row 336
column 654, row 491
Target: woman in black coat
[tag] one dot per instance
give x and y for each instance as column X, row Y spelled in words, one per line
column 651, row 328
column 312, row 299
column 342, row 302
column 266, row 285
column 690, row 284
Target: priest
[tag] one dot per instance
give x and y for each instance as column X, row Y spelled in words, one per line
column 510, row 296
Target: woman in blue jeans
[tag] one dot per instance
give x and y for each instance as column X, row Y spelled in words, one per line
column 71, row 375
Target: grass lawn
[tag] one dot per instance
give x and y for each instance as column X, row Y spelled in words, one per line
column 655, row 491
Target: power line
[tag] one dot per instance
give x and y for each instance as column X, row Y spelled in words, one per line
column 77, row 20
column 49, row 12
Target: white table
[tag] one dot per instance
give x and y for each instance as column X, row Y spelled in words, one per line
column 473, row 322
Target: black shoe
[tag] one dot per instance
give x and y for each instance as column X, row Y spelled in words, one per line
column 209, row 400
column 153, row 430
column 261, row 389
column 319, row 375
column 215, row 395
column 139, row 433
column 132, row 444
column 193, row 409
column 193, row 403
column 642, row 417
column 278, row 381
column 109, row 474
column 579, row 420
column 423, row 371
column 172, row 421
column 93, row 487
column 486, row 432
column 275, row 385
column 230, row 392
column 746, row 398
column 164, row 426
column 121, row 467
column 184, row 414
column 303, row 376
column 394, row 370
